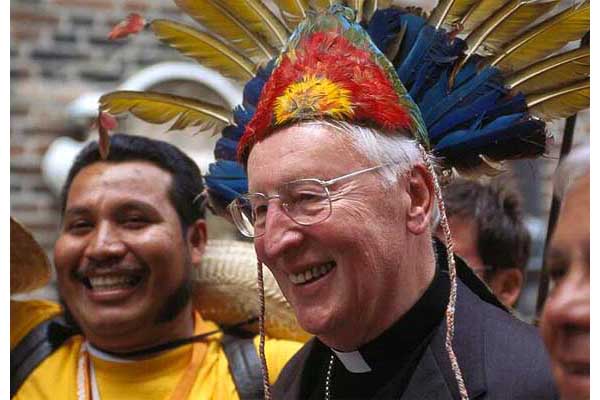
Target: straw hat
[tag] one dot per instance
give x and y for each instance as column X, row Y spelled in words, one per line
column 29, row 265
column 227, row 290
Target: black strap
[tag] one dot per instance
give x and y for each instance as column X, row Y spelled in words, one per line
column 35, row 347
column 244, row 365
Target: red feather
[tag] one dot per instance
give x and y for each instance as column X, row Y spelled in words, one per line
column 332, row 56
column 132, row 25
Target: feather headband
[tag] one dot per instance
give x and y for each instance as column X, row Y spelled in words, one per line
column 330, row 69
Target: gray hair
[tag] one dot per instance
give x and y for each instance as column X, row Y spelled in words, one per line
column 573, row 167
column 378, row 147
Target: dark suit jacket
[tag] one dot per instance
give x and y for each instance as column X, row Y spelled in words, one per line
column 501, row 358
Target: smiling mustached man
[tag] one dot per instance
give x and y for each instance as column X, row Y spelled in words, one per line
column 131, row 235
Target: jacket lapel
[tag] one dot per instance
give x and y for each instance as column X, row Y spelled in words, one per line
column 433, row 378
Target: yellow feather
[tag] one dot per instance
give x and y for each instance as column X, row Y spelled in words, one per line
column 450, row 12
column 560, row 102
column 204, row 48
column 505, row 24
column 293, row 11
column 158, row 108
column 565, row 68
column 478, row 13
column 260, row 19
column 357, row 5
column 321, row 5
column 544, row 38
column 373, row 5
column 214, row 16
column 313, row 97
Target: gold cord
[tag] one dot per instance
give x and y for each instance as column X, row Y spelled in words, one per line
column 450, row 309
column 261, row 327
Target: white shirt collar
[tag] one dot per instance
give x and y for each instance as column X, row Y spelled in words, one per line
column 353, row 361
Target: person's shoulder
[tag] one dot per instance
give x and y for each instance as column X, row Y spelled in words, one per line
column 278, row 352
column 26, row 315
column 515, row 355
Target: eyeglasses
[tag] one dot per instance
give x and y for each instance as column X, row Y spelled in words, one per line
column 304, row 201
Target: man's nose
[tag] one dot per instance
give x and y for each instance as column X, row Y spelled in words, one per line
column 569, row 304
column 105, row 243
column 281, row 233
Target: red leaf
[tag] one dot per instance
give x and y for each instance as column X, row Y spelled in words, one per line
column 132, row 24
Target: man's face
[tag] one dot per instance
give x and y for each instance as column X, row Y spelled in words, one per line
column 357, row 253
column 565, row 320
column 121, row 255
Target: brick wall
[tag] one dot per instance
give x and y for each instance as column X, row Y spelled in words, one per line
column 59, row 51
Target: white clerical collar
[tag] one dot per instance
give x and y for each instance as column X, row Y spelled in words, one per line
column 353, row 361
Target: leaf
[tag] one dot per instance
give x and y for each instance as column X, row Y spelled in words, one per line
column 293, row 11
column 505, row 24
column 449, row 12
column 566, row 68
column 544, row 38
column 204, row 48
column 158, row 108
column 560, row 102
column 218, row 18
column 133, row 24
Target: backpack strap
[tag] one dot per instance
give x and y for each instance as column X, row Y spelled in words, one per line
column 35, row 347
column 244, row 365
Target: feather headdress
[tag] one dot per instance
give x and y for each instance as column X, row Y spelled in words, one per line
column 474, row 82
column 485, row 75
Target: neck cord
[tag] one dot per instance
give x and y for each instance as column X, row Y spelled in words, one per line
column 328, row 377
column 87, row 385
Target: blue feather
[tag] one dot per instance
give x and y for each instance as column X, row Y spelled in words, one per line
column 488, row 79
column 461, row 116
column 226, row 149
column 226, row 180
column 413, row 24
column 384, row 26
column 509, row 136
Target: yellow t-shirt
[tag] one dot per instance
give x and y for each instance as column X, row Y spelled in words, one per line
column 154, row 378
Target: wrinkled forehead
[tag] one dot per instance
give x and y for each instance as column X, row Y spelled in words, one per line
column 300, row 151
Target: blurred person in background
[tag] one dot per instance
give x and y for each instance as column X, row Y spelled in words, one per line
column 565, row 320
column 487, row 227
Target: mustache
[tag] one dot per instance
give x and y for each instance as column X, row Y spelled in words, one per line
column 107, row 265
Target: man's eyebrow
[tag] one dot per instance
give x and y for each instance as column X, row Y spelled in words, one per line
column 72, row 211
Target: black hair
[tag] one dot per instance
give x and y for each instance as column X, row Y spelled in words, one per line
column 186, row 178
column 503, row 240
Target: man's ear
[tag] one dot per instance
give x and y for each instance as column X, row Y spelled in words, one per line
column 506, row 285
column 196, row 240
column 421, row 192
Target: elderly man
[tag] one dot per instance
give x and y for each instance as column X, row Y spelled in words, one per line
column 130, row 236
column 339, row 204
column 489, row 234
column 565, row 321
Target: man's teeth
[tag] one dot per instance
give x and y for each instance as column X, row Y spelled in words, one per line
column 311, row 274
column 112, row 282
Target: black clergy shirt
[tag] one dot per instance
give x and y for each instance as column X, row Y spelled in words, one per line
column 392, row 357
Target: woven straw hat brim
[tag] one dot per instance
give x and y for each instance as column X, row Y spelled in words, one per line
column 227, row 290
column 29, row 265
